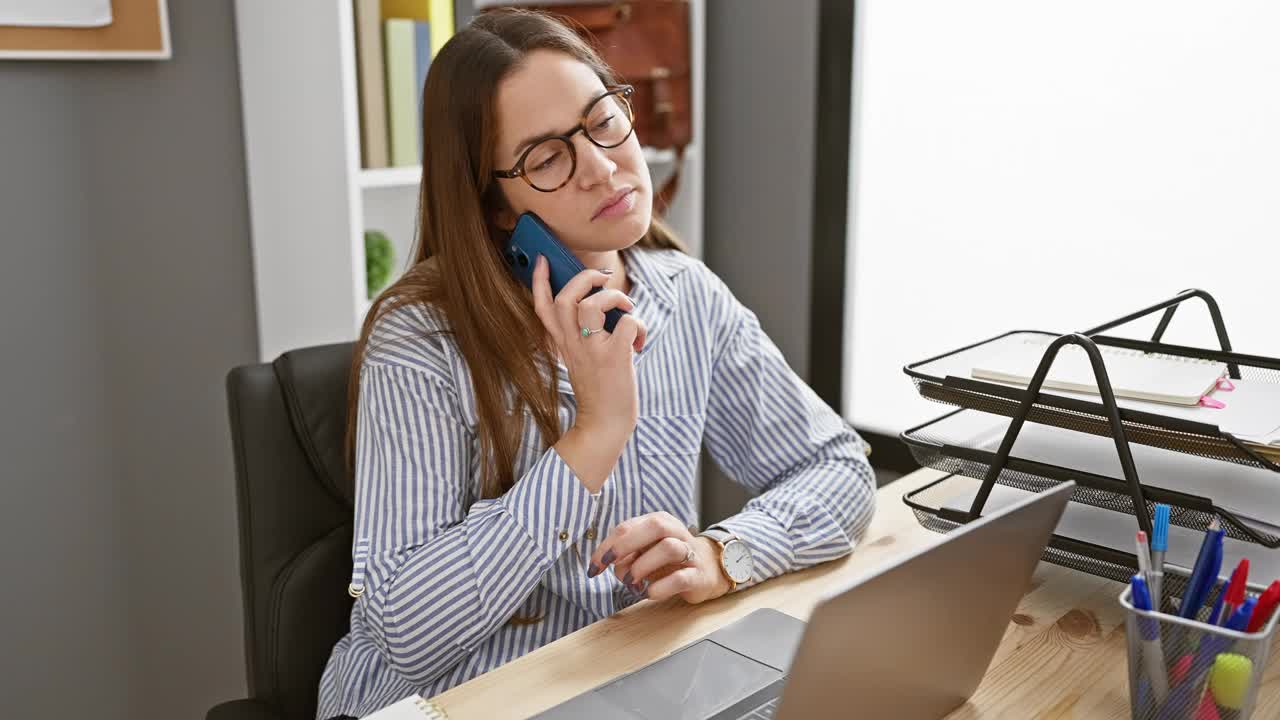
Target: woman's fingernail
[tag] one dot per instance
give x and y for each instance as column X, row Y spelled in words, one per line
column 607, row 271
column 593, row 570
column 626, row 580
column 608, row 559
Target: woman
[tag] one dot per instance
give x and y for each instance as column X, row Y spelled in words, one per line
column 521, row 473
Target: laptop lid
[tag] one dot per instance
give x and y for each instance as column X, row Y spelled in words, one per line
column 914, row 639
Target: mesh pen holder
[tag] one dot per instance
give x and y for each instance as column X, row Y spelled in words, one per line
column 1178, row 665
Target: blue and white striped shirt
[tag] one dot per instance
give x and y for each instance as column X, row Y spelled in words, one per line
column 444, row 571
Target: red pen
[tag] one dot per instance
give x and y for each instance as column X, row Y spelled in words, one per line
column 1235, row 589
column 1266, row 604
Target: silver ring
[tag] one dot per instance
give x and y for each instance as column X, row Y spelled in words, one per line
column 588, row 332
column 690, row 556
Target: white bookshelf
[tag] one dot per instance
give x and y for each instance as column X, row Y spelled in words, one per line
column 309, row 199
column 390, row 177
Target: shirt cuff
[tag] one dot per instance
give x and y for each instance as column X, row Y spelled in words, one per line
column 768, row 541
column 551, row 504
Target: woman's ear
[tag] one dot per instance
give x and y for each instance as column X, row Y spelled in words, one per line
column 505, row 218
column 500, row 211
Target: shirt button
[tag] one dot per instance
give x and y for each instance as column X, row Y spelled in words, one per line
column 564, row 536
column 591, row 533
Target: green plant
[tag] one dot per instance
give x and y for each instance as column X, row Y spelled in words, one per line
column 379, row 258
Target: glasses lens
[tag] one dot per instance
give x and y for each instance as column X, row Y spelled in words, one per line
column 609, row 120
column 549, row 164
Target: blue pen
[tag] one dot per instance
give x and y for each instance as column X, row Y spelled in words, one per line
column 1240, row 618
column 1152, row 649
column 1159, row 545
column 1217, row 608
column 1205, row 573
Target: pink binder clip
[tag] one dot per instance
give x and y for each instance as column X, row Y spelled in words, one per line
column 1209, row 402
column 1225, row 385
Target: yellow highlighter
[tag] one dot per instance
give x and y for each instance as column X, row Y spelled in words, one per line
column 1229, row 682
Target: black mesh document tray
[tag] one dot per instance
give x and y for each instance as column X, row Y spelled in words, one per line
column 977, row 464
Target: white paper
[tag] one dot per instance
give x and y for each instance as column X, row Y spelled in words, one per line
column 1252, row 494
column 1162, row 379
column 56, row 13
column 1252, row 410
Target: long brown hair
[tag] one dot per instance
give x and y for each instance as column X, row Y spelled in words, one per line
column 458, row 266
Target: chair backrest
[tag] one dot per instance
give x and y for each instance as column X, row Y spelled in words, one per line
column 295, row 513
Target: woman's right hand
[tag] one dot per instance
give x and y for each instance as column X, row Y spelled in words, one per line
column 601, row 367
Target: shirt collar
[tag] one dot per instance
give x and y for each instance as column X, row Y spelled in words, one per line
column 649, row 270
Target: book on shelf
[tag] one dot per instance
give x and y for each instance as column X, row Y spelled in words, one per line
column 422, row 61
column 372, row 84
column 437, row 12
column 402, row 97
column 395, row 42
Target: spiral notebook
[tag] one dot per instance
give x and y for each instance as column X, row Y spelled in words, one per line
column 1134, row 374
column 413, row 707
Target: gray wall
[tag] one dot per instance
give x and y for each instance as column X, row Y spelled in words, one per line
column 761, row 83
column 125, row 296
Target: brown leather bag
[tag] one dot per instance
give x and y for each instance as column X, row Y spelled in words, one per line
column 646, row 42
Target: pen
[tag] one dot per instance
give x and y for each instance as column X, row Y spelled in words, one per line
column 1159, row 544
column 1240, row 618
column 1205, row 573
column 1215, row 616
column 1144, row 565
column 1152, row 650
column 1266, row 605
column 1235, row 589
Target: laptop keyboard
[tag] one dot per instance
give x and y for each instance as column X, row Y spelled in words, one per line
column 764, row 712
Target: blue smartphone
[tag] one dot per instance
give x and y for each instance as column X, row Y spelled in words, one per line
column 532, row 238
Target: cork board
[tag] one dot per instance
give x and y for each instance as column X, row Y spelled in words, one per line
column 139, row 30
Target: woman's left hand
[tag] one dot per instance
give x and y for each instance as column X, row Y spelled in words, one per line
column 655, row 547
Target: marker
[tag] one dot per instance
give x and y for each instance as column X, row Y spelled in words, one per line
column 1266, row 605
column 1159, row 545
column 1236, row 588
column 1152, row 650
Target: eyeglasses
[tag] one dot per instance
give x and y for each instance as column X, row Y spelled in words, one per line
column 550, row 163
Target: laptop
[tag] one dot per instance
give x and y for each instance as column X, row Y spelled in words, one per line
column 910, row 640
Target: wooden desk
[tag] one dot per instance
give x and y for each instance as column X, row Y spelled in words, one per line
column 1063, row 655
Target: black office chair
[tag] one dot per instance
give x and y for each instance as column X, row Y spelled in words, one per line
column 288, row 419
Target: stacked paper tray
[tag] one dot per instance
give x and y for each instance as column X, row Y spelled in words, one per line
column 1246, row 432
column 1086, row 537
column 1207, row 463
column 1245, row 500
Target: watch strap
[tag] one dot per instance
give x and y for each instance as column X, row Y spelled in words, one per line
column 719, row 535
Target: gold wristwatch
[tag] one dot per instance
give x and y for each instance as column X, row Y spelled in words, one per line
column 735, row 557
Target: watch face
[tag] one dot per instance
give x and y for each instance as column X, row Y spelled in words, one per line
column 737, row 561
